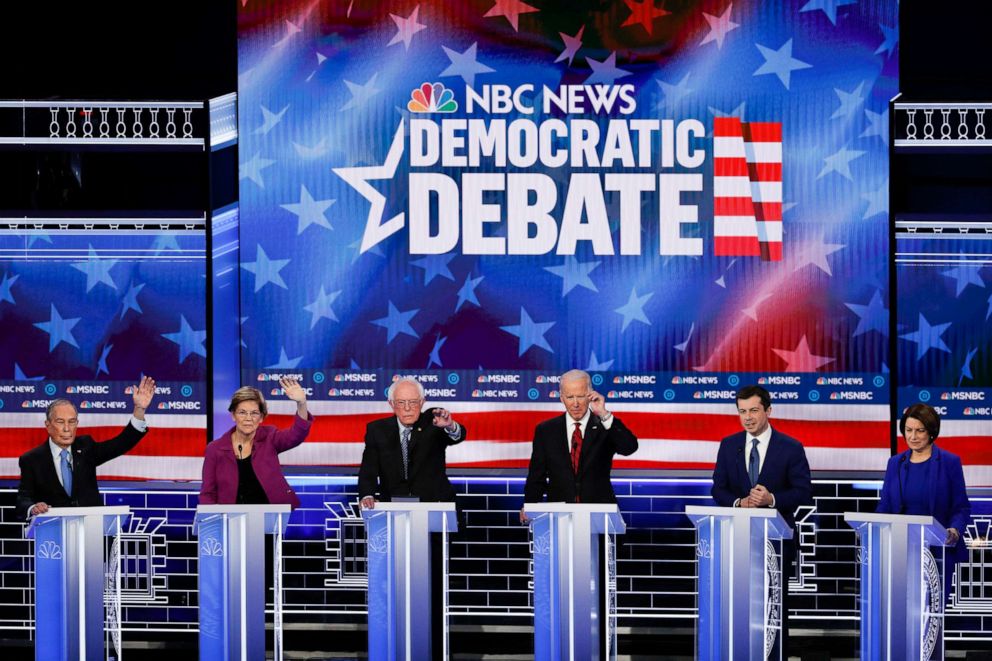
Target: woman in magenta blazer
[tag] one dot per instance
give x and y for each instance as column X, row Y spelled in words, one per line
column 242, row 466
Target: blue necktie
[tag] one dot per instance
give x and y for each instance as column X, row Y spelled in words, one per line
column 66, row 472
column 404, row 446
column 754, row 464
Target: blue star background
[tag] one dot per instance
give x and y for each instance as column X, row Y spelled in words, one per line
column 107, row 306
column 332, row 93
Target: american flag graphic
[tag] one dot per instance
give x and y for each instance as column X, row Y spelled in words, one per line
column 747, row 188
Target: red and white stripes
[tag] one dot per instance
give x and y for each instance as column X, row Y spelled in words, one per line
column 747, row 188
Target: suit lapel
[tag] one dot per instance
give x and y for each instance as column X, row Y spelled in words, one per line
column 934, row 478
column 394, row 446
column 48, row 466
column 593, row 430
column 770, row 454
column 415, row 448
column 563, row 450
column 742, row 477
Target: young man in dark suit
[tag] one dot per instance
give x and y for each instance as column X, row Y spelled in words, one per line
column 61, row 472
column 572, row 455
column 762, row 467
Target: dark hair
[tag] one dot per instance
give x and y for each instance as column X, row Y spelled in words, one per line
column 248, row 394
column 747, row 392
column 58, row 402
column 925, row 414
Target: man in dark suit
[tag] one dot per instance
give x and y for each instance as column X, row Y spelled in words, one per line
column 572, row 455
column 405, row 453
column 762, row 467
column 61, row 472
column 404, row 457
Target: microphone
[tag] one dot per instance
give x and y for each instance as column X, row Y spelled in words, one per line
column 239, row 452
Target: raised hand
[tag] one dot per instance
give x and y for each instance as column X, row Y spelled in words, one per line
column 296, row 393
column 293, row 389
column 442, row 418
column 597, row 404
column 143, row 394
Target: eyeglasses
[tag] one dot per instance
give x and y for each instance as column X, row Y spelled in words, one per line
column 407, row 403
column 59, row 422
column 244, row 415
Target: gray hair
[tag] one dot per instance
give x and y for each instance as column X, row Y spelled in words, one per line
column 405, row 379
column 575, row 375
column 58, row 402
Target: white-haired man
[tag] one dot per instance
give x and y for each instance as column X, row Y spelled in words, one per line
column 573, row 453
column 405, row 453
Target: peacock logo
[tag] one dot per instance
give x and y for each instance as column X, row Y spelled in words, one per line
column 432, row 98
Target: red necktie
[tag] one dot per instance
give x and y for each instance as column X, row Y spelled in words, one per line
column 576, row 448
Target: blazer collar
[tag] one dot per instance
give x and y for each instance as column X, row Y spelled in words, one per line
column 594, row 427
column 53, row 477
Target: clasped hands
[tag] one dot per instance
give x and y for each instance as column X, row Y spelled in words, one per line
column 759, row 497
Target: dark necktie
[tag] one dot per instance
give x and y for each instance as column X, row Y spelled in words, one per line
column 754, row 466
column 576, row 448
column 66, row 472
column 405, row 447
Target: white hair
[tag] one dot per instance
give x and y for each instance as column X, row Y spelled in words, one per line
column 575, row 375
column 405, row 379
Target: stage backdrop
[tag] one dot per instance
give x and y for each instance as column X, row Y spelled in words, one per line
column 86, row 307
column 679, row 197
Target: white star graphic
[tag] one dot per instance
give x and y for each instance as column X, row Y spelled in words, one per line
column 406, row 28
column 719, row 27
column 358, row 178
column 878, row 124
column 840, row 162
column 360, row 94
column 252, row 169
column 802, row 359
column 318, row 150
column 270, row 119
column 309, row 211
column 780, row 62
column 572, row 45
column 673, row 93
column 815, row 253
column 321, row 307
column 605, row 72
column 511, row 10
column 465, row 64
column 849, row 101
column 878, row 201
column 633, row 309
column 829, row 7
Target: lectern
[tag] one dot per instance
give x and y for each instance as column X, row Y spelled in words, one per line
column 399, row 567
column 571, row 599
column 232, row 579
column 69, row 581
column 902, row 599
column 740, row 582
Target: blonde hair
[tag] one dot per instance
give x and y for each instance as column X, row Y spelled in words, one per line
column 248, row 394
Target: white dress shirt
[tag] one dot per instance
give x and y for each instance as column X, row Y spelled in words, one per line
column 140, row 425
column 583, row 423
column 763, row 439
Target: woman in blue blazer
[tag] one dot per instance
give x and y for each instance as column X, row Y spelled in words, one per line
column 927, row 480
